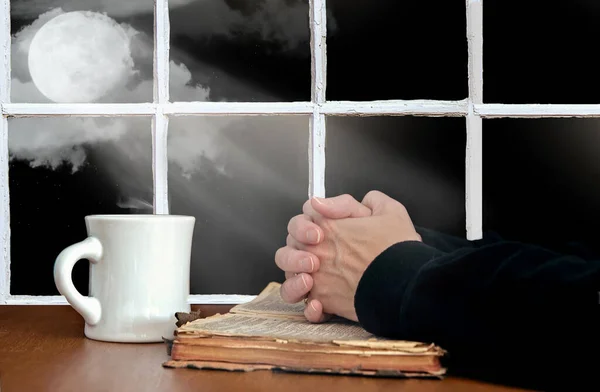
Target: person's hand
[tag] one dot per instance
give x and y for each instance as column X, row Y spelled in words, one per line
column 345, row 248
column 298, row 264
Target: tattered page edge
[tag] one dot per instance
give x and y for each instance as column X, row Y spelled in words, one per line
column 186, row 317
column 238, row 367
column 312, row 347
column 395, row 345
column 373, row 343
column 315, row 348
column 331, row 350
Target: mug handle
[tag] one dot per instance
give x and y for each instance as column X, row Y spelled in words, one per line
column 88, row 307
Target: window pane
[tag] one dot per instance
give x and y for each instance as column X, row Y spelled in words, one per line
column 541, row 180
column 82, row 51
column 62, row 169
column 240, row 50
column 541, row 51
column 243, row 178
column 418, row 161
column 389, row 49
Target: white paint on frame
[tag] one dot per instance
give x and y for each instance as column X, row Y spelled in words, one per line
column 474, row 147
column 428, row 108
column 160, row 163
column 333, row 108
column 238, row 108
column 4, row 212
column 78, row 109
column 160, row 122
column 537, row 111
column 4, row 157
column 161, row 51
column 215, row 299
column 316, row 156
column 318, row 135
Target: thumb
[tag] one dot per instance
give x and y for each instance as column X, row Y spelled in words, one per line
column 380, row 203
column 340, row 207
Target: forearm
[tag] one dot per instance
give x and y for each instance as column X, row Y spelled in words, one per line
column 485, row 305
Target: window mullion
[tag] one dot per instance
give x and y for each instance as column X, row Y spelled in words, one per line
column 4, row 153
column 161, row 98
column 317, row 137
column 474, row 147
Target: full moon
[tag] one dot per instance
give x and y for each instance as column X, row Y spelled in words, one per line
column 79, row 57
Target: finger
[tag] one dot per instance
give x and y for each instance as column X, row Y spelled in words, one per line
column 379, row 203
column 292, row 243
column 309, row 211
column 292, row 260
column 314, row 311
column 296, row 288
column 304, row 230
column 340, row 207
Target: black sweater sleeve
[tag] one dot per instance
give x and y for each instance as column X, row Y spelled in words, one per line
column 504, row 311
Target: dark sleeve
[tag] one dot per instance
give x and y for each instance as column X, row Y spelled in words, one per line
column 442, row 241
column 449, row 243
column 504, row 311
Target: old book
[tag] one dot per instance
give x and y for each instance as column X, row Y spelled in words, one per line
column 269, row 334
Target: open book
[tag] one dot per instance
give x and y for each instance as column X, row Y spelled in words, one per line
column 269, row 334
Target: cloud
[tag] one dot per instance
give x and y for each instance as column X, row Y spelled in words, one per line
column 281, row 21
column 54, row 142
column 115, row 8
column 285, row 22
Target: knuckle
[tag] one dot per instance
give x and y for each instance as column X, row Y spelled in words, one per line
column 320, row 289
column 284, row 291
column 328, row 226
column 401, row 208
column 303, row 283
column 373, row 194
column 308, row 313
column 293, row 223
column 346, row 198
column 307, row 207
column 278, row 257
column 289, row 260
column 293, row 289
column 316, row 263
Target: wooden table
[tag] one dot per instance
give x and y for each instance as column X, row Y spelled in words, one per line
column 42, row 348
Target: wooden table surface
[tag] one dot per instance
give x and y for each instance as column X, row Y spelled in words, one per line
column 42, row 348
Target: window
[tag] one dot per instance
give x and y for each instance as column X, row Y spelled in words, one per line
column 167, row 106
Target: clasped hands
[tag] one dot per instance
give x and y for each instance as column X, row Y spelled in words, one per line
column 330, row 245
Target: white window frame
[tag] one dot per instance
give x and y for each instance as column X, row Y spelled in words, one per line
column 472, row 109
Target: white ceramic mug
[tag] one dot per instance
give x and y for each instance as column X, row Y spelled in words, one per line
column 139, row 275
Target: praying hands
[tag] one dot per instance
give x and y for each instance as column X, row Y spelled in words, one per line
column 331, row 244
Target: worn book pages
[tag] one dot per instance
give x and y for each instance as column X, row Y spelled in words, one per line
column 268, row 333
column 269, row 302
column 268, row 316
column 278, row 328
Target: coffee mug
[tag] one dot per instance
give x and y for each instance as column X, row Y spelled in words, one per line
column 139, row 275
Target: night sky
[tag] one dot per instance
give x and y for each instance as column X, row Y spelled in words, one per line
column 244, row 178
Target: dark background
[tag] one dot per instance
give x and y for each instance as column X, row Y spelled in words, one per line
column 540, row 176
